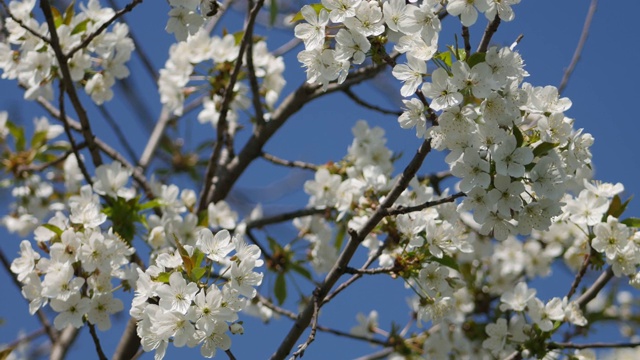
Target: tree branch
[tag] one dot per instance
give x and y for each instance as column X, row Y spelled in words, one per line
column 288, row 163
column 356, row 238
column 205, row 196
column 398, row 210
column 68, row 84
column 491, row 29
column 365, row 104
column 593, row 291
column 579, row 47
column 96, row 342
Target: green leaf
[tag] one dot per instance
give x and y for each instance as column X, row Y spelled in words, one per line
column 18, row 134
column 163, row 277
column 69, row 12
column 445, row 57
column 186, row 259
column 273, row 12
column 273, row 245
column 447, row 261
column 238, row 37
column 544, row 148
column 57, row 17
column 39, row 139
column 300, row 270
column 198, row 273
column 616, row 208
column 280, row 289
column 53, row 228
column 298, row 16
column 155, row 203
column 631, row 222
column 519, row 137
column 80, row 27
column 461, row 55
column 476, row 59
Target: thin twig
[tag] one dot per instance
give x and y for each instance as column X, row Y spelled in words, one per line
column 264, row 251
column 365, row 104
column 253, row 80
column 96, row 342
column 230, row 354
column 347, row 253
column 491, row 29
column 142, row 55
column 579, row 47
column 72, row 141
column 579, row 276
column 259, row 223
column 69, row 87
column 352, row 336
column 62, row 345
column 382, row 354
column 163, row 121
column 129, row 342
column 117, row 130
column 48, row 164
column 23, row 25
column 376, row 271
column 398, row 210
column 85, row 42
column 593, row 291
column 288, row 46
column 138, row 176
column 206, row 194
column 314, row 327
column 598, row 345
column 467, row 41
column 289, row 163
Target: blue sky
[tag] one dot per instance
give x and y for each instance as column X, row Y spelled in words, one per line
column 604, row 90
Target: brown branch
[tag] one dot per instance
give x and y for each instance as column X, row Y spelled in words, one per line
column 593, row 291
column 45, row 165
column 351, row 336
column 365, row 104
column 314, row 327
column 579, row 47
column 398, row 210
column 102, row 28
column 230, row 354
column 163, row 121
column 467, row 41
column 129, row 342
column 138, row 176
column 62, row 345
column 491, row 29
column 579, row 276
column 72, row 141
column 23, row 25
column 117, row 130
column 96, row 342
column 356, row 237
column 598, row 345
column 253, row 80
column 289, row 106
column 212, row 166
column 376, row 271
column 68, row 84
column 297, row 164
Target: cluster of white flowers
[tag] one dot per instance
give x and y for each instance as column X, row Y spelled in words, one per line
column 364, row 25
column 175, row 303
column 200, row 48
column 95, row 67
column 76, row 277
column 186, row 17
